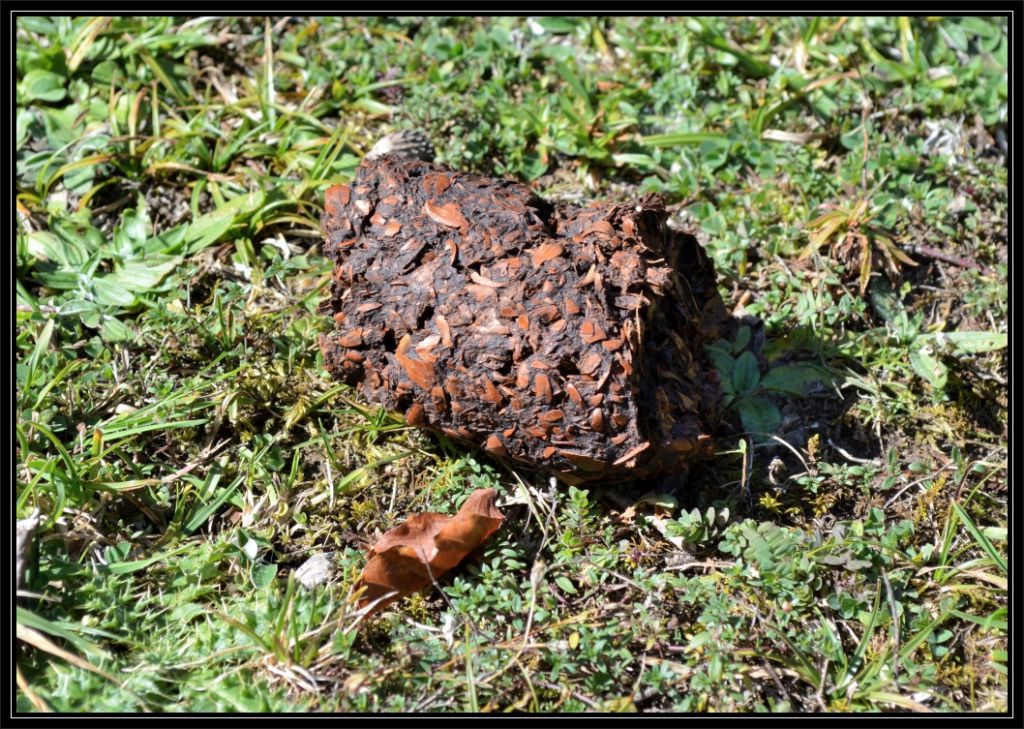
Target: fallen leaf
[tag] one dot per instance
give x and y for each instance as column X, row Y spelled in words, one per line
column 412, row 555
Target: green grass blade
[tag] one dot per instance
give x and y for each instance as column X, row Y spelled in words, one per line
column 979, row 537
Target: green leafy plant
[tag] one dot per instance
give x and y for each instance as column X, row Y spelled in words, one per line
column 847, row 230
column 928, row 351
column 696, row 526
column 745, row 389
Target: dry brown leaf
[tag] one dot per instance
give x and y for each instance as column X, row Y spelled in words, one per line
column 405, row 559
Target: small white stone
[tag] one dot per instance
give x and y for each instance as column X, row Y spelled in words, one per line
column 314, row 571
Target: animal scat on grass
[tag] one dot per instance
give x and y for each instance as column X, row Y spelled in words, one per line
column 463, row 330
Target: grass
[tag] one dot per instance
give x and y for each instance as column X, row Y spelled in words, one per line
column 845, row 551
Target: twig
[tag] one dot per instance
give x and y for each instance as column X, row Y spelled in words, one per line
column 536, row 577
column 778, row 682
column 368, row 609
column 910, row 485
column 571, row 692
column 203, row 457
column 967, row 472
column 854, row 459
column 937, row 255
column 714, row 563
column 991, row 376
column 780, row 441
column 820, row 694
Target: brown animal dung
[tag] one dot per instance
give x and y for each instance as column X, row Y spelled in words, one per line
column 560, row 338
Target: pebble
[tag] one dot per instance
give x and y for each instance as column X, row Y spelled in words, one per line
column 315, row 571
